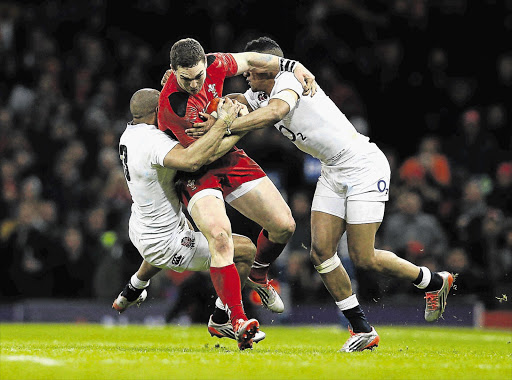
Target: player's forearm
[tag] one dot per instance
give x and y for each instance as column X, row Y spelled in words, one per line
column 225, row 146
column 261, row 62
column 261, row 118
column 200, row 152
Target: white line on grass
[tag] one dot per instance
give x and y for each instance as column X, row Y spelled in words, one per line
column 29, row 358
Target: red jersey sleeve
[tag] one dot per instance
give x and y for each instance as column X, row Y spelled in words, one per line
column 227, row 62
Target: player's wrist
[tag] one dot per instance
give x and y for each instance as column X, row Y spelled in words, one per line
column 286, row 64
column 226, row 124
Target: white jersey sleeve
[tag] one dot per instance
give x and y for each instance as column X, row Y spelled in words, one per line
column 159, row 148
column 286, row 81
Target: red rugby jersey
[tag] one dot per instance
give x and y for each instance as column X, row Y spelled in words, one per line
column 178, row 110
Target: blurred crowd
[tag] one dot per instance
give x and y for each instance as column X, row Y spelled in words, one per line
column 429, row 82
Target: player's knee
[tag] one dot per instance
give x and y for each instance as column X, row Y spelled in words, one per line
column 363, row 260
column 325, row 265
column 219, row 239
column 287, row 227
column 319, row 253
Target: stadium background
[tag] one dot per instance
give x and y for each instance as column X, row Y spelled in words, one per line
column 428, row 81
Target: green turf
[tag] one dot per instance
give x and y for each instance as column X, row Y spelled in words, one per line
column 88, row 351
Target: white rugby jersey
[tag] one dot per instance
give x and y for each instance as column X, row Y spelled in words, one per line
column 315, row 125
column 156, row 210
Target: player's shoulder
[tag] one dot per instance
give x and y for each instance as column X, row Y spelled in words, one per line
column 142, row 131
column 284, row 76
column 216, row 58
column 220, row 63
column 214, row 61
column 211, row 58
column 285, row 80
column 178, row 100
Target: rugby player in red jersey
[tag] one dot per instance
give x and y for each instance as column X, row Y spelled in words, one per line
column 195, row 79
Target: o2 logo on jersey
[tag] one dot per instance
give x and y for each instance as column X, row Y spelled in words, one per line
column 382, row 186
column 290, row 135
column 123, row 156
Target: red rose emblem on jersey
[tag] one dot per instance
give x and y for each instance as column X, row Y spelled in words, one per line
column 262, row 96
column 188, row 242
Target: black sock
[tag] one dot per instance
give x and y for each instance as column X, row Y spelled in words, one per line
column 419, row 278
column 357, row 319
column 131, row 293
column 436, row 282
column 219, row 316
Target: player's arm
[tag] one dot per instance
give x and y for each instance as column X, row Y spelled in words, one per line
column 199, row 152
column 277, row 108
column 225, row 146
column 229, row 141
column 239, row 97
column 258, row 62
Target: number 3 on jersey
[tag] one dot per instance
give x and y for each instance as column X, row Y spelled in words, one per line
column 123, row 156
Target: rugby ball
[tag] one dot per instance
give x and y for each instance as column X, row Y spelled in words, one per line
column 211, row 107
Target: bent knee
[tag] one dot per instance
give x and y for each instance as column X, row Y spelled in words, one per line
column 287, row 227
column 318, row 255
column 245, row 250
column 281, row 230
column 365, row 262
column 219, row 238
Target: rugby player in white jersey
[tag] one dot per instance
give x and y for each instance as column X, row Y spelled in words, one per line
column 158, row 228
column 350, row 194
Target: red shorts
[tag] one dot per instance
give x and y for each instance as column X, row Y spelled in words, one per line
column 225, row 174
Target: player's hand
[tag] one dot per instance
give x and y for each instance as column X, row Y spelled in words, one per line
column 166, row 76
column 227, row 111
column 242, row 108
column 306, row 78
column 199, row 129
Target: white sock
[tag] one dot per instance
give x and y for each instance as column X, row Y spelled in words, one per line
column 219, row 304
column 348, row 303
column 138, row 284
column 427, row 276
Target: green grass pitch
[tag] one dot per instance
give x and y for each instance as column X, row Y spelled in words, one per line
column 91, row 351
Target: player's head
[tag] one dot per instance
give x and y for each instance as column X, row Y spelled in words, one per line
column 262, row 81
column 188, row 61
column 264, row 45
column 144, row 106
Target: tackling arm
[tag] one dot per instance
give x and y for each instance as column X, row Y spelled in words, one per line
column 199, row 152
column 263, row 117
column 259, row 62
column 267, row 116
column 226, row 144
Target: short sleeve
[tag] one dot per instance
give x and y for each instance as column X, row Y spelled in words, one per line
column 227, row 62
column 161, row 144
column 286, row 81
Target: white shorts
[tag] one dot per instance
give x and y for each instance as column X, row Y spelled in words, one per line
column 188, row 250
column 352, row 211
column 356, row 189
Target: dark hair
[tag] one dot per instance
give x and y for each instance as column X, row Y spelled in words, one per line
column 264, row 45
column 186, row 53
